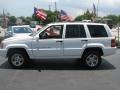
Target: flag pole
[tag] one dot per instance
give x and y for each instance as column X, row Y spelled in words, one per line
column 56, row 11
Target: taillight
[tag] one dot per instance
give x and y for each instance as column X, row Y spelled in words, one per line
column 113, row 43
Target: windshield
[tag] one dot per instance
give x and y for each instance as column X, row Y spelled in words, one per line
column 22, row 30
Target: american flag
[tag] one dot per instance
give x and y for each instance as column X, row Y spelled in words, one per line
column 40, row 13
column 94, row 10
column 64, row 16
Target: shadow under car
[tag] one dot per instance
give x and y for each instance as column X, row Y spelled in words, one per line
column 63, row 64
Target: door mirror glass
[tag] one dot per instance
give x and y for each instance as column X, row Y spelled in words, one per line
column 9, row 33
column 32, row 25
column 43, row 35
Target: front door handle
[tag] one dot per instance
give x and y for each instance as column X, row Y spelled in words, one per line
column 84, row 40
column 59, row 41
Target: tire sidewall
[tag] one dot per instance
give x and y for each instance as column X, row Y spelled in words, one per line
column 85, row 62
column 23, row 54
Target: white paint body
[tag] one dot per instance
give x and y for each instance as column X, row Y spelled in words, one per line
column 50, row 48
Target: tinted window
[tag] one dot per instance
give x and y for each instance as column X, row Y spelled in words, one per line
column 75, row 31
column 97, row 31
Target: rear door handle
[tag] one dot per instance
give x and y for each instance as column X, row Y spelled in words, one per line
column 84, row 40
column 59, row 41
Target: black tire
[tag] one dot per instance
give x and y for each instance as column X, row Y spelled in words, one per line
column 18, row 59
column 92, row 60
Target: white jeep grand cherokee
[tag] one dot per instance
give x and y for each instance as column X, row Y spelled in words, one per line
column 87, row 41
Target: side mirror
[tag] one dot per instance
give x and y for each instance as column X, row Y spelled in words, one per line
column 40, row 36
column 43, row 36
column 110, row 26
column 9, row 33
column 33, row 26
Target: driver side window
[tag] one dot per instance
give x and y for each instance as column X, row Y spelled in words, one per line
column 52, row 32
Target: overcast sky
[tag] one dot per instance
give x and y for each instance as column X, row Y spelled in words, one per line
column 72, row 7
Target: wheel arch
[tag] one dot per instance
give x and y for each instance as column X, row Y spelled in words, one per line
column 97, row 49
column 16, row 49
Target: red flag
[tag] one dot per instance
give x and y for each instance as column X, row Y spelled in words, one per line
column 40, row 13
column 64, row 16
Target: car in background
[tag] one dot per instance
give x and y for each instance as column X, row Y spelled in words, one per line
column 17, row 31
column 35, row 28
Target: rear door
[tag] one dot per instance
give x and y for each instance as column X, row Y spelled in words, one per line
column 75, row 39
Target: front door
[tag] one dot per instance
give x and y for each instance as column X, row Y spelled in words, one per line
column 50, row 43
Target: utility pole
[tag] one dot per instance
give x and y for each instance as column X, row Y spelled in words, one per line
column 55, row 6
column 56, row 12
column 49, row 7
column 98, row 8
column 4, row 20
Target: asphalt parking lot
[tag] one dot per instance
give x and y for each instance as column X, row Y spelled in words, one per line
column 61, row 75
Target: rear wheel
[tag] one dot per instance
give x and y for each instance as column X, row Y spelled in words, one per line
column 17, row 59
column 92, row 60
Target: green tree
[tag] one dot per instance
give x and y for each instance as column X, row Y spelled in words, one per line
column 12, row 20
column 86, row 16
column 78, row 18
column 119, row 18
column 27, row 20
column 0, row 20
column 114, row 18
column 51, row 17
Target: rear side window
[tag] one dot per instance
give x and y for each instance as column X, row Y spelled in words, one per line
column 75, row 31
column 97, row 31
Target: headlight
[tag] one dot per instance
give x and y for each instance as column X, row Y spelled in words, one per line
column 1, row 45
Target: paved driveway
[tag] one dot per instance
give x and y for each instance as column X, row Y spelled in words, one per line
column 61, row 75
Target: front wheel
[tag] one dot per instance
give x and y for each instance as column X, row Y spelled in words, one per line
column 17, row 59
column 92, row 60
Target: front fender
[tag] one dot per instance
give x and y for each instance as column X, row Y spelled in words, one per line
column 17, row 46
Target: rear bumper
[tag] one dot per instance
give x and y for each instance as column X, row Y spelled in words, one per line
column 3, row 52
column 109, row 51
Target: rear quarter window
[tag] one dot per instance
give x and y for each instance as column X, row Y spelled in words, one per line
column 97, row 31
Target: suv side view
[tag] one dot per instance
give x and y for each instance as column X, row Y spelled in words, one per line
column 87, row 41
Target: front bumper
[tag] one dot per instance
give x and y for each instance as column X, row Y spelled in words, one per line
column 3, row 53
